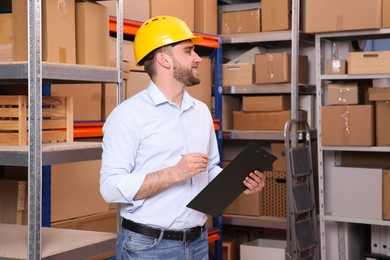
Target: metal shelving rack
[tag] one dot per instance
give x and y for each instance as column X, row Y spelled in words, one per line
column 278, row 39
column 34, row 241
column 329, row 156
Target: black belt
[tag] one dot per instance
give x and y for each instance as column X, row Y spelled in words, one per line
column 186, row 235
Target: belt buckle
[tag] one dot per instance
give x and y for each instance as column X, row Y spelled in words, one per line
column 188, row 233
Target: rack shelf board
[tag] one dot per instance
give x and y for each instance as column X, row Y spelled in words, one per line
column 356, row 35
column 56, row 243
column 354, row 77
column 17, row 155
column 379, row 222
column 254, row 221
column 268, row 89
column 59, row 73
column 268, row 38
column 130, row 28
column 357, row 148
column 258, row 135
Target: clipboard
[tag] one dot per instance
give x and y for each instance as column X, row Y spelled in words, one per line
column 227, row 185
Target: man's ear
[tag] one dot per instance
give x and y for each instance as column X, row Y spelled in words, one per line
column 163, row 60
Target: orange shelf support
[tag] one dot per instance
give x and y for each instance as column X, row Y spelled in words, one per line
column 130, row 27
column 213, row 235
column 87, row 129
column 216, row 124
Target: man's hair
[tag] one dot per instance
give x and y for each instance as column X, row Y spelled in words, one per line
column 149, row 61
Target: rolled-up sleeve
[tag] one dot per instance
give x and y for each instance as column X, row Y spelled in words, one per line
column 117, row 183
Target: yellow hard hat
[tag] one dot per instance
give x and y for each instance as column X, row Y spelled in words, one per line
column 160, row 31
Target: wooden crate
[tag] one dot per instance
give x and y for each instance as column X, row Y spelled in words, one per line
column 57, row 119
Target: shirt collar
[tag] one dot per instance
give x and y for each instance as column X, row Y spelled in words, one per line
column 159, row 98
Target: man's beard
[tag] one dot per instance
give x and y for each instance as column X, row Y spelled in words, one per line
column 184, row 75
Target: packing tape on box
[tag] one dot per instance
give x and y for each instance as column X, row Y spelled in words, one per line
column 345, row 117
column 343, row 94
column 62, row 7
column 270, row 65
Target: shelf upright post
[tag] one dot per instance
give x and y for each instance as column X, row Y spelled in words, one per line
column 294, row 59
column 119, row 50
column 319, row 57
column 217, row 55
column 217, row 221
column 35, row 128
column 119, row 64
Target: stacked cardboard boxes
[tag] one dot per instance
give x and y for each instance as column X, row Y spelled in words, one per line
column 256, row 115
column 72, row 33
column 345, row 120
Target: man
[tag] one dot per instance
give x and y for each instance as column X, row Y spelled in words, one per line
column 160, row 150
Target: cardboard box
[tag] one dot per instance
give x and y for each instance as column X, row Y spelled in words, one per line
column 13, row 201
column 265, row 103
column 182, row 9
column 336, row 67
column 139, row 81
column 276, row 68
column 381, row 96
column 275, row 15
column 246, row 21
column 230, row 103
column 364, row 159
column 75, row 190
column 237, row 74
column 206, row 16
column 138, row 10
column 248, row 205
column 87, row 99
column 385, row 13
column 101, row 222
column 349, row 125
column 58, row 31
column 265, row 248
column 386, row 194
column 342, row 94
column 262, row 120
column 203, row 91
column 222, row 8
column 142, row 10
column 341, row 15
column 6, row 37
column 92, row 34
column 279, row 150
column 274, row 194
column 371, row 62
column 354, row 202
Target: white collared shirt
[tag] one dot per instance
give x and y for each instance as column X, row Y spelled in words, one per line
column 147, row 133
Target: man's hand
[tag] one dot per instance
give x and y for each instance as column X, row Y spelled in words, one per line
column 190, row 165
column 255, row 182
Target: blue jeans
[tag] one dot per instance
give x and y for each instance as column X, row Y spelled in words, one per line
column 132, row 245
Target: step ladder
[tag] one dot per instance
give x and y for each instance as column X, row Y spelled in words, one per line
column 302, row 238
